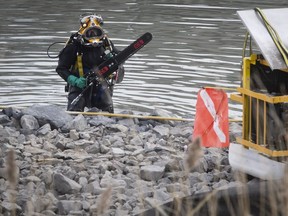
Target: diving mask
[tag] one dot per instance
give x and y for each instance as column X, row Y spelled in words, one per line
column 91, row 30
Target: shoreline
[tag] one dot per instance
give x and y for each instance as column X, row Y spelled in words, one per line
column 66, row 164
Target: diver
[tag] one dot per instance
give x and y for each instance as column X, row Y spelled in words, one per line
column 83, row 52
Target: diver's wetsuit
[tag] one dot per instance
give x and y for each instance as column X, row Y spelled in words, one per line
column 98, row 95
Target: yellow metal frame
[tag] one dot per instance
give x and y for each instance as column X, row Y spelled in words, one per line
column 237, row 97
column 262, row 149
column 266, row 98
column 245, row 97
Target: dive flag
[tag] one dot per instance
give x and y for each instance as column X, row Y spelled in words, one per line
column 211, row 120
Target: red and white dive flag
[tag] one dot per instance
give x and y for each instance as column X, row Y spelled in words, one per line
column 211, row 120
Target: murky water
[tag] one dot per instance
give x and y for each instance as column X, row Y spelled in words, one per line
column 195, row 43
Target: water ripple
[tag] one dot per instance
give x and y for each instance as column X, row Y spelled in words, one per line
column 194, row 45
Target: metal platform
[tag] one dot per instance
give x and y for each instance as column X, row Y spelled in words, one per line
column 278, row 20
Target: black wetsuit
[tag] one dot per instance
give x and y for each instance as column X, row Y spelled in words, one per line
column 98, row 95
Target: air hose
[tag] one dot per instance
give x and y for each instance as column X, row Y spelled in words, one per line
column 274, row 35
column 53, row 57
column 247, row 37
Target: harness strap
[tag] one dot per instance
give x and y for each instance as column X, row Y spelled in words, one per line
column 80, row 65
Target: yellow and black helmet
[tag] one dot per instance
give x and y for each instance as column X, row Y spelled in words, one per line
column 91, row 30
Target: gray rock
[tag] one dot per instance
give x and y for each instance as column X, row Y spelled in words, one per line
column 64, row 185
column 21, row 138
column 203, row 189
column 94, row 177
column 4, row 119
column 8, row 132
column 48, row 212
column 121, row 212
column 101, row 120
column 202, row 166
column 27, row 179
column 66, row 206
column 116, row 140
column 77, row 213
column 79, row 123
column 118, row 128
column 72, row 154
column 83, row 181
column 40, row 204
column 3, row 173
column 34, row 150
column 234, row 184
column 106, row 179
column 193, row 178
column 221, row 184
column 52, row 114
column 162, row 112
column 29, row 122
column 47, row 177
column 104, row 149
column 86, row 205
column 9, row 207
column 173, row 188
column 205, row 177
column 53, row 201
column 151, row 172
column 13, row 112
column 61, row 145
column 106, row 141
column 52, row 134
column 117, row 152
column 49, row 146
column 93, row 149
column 181, row 131
column 44, row 129
column 94, row 188
column 172, row 165
column 119, row 183
column 130, row 148
column 84, row 135
column 129, row 122
column 162, row 196
column 74, row 135
column 127, row 207
column 224, row 160
column 137, row 141
column 162, row 130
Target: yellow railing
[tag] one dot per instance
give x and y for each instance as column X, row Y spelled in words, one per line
column 254, row 122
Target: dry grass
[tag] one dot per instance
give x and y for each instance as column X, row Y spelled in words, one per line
column 194, row 153
column 103, row 202
column 12, row 177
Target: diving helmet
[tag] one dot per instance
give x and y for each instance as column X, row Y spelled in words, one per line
column 91, row 30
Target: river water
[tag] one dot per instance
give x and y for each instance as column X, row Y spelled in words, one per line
column 196, row 43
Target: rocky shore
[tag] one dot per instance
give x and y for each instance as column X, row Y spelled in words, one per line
column 54, row 163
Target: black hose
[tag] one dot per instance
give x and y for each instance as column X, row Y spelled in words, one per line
column 51, row 46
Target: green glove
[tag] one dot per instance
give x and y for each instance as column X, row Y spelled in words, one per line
column 79, row 82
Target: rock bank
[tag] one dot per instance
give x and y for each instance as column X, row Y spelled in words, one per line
column 63, row 164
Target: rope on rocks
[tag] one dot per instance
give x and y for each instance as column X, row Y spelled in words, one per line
column 128, row 115
column 131, row 116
